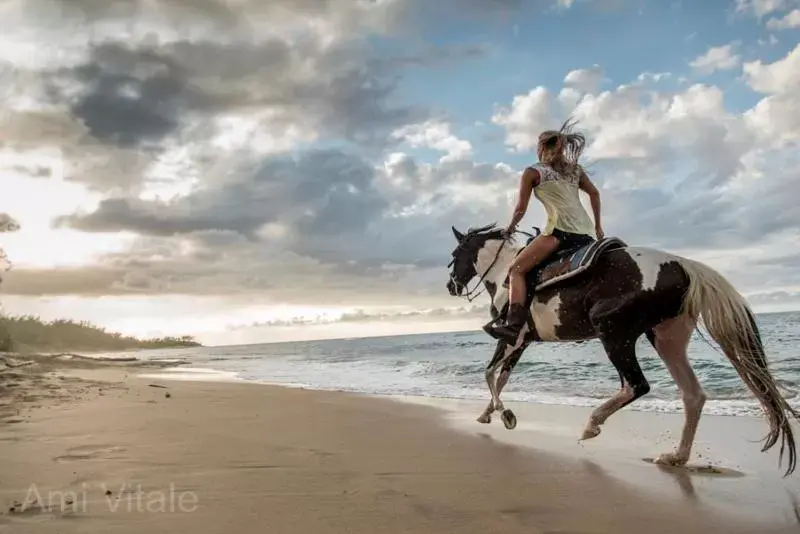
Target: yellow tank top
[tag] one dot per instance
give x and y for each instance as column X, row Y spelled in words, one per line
column 559, row 193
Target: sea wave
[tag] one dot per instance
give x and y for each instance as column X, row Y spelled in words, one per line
column 452, row 365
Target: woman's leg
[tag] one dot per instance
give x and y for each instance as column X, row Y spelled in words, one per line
column 538, row 250
column 532, row 255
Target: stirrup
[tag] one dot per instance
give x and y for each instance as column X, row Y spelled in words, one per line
column 490, row 326
column 503, row 332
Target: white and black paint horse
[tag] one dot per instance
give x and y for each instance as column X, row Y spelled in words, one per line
column 609, row 291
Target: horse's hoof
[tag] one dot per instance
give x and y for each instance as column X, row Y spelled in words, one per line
column 485, row 418
column 671, row 459
column 509, row 419
column 591, row 432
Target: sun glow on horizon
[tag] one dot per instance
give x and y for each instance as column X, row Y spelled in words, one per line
column 35, row 203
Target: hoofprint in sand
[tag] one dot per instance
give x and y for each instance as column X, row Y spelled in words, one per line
column 149, row 454
column 728, row 471
column 616, row 294
column 34, row 380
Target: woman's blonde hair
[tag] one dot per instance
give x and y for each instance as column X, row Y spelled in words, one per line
column 562, row 149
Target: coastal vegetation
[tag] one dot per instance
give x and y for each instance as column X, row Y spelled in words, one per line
column 29, row 333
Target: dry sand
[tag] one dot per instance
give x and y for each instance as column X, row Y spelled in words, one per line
column 102, row 451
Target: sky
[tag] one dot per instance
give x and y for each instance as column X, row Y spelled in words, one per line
column 251, row 171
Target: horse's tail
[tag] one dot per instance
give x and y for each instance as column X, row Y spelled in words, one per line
column 730, row 322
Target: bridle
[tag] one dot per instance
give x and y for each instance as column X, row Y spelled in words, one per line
column 470, row 295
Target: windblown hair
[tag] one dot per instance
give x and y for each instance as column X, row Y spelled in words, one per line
column 562, row 149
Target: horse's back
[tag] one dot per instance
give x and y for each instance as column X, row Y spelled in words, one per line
column 651, row 266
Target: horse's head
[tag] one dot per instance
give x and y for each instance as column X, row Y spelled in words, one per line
column 467, row 256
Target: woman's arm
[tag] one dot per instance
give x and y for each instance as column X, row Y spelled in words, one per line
column 529, row 179
column 594, row 199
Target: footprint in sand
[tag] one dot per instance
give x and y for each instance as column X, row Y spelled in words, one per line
column 91, row 452
column 36, row 511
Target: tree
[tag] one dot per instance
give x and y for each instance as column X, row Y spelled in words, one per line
column 7, row 224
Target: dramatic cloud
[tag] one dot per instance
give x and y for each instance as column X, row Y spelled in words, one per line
column 170, row 104
column 316, row 153
column 322, row 195
column 677, row 167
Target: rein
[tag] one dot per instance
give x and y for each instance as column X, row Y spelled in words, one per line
column 470, row 295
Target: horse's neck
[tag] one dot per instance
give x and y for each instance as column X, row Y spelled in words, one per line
column 497, row 269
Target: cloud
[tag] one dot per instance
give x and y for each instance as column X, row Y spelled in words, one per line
column 277, row 150
column 717, row 58
column 8, row 223
column 319, row 194
column 433, row 56
column 642, row 132
column 322, row 204
column 776, row 297
column 775, row 119
column 132, row 97
column 585, row 80
column 760, row 8
column 363, row 316
column 788, row 21
column 436, row 135
column 677, row 169
column 122, row 106
column 528, row 115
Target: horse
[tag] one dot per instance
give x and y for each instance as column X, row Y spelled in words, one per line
column 613, row 292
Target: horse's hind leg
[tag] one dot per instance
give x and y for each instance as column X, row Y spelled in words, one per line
column 671, row 338
column 622, row 353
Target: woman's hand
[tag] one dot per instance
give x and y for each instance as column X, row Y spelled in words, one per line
column 598, row 230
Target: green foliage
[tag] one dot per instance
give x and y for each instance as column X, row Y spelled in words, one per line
column 30, row 334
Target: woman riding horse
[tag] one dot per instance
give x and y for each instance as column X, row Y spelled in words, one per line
column 555, row 181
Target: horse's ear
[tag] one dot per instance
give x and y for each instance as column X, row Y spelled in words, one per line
column 459, row 235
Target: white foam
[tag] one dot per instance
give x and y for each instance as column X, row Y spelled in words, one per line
column 193, row 374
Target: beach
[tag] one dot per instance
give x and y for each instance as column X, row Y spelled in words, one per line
column 117, row 447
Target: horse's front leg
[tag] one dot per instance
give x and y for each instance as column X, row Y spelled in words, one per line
column 497, row 374
column 499, row 351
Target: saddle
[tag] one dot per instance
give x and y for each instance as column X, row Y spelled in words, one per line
column 566, row 263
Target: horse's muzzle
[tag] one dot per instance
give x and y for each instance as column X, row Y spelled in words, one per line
column 454, row 288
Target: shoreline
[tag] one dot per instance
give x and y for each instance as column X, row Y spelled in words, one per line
column 726, row 449
column 323, row 461
column 651, row 404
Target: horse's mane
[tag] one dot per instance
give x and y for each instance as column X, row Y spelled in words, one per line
column 488, row 229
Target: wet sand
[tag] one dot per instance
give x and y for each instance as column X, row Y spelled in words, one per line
column 727, row 474
column 102, row 450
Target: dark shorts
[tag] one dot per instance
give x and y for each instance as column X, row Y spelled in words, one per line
column 568, row 240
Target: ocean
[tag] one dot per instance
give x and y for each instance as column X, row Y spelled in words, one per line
column 451, row 365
